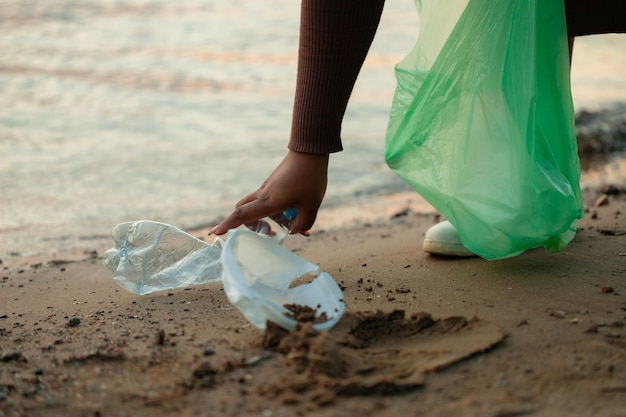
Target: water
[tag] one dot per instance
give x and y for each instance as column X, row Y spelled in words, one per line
column 123, row 110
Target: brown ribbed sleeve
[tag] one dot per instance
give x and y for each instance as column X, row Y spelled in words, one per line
column 335, row 36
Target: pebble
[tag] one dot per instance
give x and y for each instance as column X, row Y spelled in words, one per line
column 255, row 360
column 74, row 321
column 603, row 200
column 558, row 314
column 159, row 339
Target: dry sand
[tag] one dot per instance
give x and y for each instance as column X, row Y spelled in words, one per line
column 541, row 334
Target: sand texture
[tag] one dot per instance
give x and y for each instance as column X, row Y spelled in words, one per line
column 541, row 334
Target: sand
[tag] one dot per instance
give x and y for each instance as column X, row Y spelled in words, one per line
column 541, row 334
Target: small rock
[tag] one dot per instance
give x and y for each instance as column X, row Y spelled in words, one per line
column 558, row 314
column 74, row 321
column 607, row 290
column 255, row 360
column 401, row 213
column 159, row 339
column 603, row 200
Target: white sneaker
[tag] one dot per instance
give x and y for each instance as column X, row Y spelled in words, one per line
column 443, row 239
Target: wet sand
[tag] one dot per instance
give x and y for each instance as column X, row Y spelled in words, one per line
column 541, row 334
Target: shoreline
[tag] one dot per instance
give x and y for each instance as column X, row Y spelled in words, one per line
column 361, row 212
column 602, row 148
column 601, row 141
column 342, row 216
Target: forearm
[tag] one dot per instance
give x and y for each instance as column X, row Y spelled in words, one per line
column 335, row 36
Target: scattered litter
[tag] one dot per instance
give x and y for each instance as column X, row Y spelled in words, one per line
column 257, row 274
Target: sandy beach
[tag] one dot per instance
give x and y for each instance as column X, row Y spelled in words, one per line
column 134, row 109
column 541, row 334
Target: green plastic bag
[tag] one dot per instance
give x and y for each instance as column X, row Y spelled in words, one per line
column 482, row 123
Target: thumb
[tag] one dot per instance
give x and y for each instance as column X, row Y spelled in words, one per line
column 303, row 221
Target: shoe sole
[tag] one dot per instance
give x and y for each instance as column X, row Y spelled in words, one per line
column 445, row 248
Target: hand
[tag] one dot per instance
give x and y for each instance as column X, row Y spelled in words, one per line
column 298, row 181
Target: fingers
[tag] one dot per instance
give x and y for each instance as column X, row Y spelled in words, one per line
column 298, row 181
column 238, row 217
column 247, row 199
column 243, row 214
column 303, row 222
column 256, row 209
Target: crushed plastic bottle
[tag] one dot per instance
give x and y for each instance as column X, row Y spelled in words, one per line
column 150, row 256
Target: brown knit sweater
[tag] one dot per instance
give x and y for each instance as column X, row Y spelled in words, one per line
column 335, row 36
